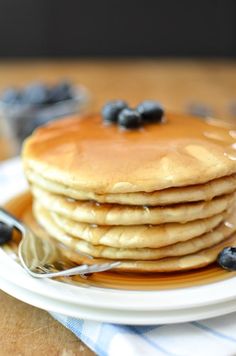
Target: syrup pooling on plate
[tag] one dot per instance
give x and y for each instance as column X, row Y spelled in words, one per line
column 21, row 207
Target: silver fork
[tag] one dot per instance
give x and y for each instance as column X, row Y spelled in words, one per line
column 41, row 258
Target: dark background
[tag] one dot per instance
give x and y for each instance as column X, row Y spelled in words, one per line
column 103, row 28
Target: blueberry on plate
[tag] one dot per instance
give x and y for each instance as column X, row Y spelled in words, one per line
column 5, row 233
column 150, row 111
column 227, row 258
column 111, row 110
column 129, row 119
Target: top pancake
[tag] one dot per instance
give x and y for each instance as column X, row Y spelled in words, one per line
column 84, row 154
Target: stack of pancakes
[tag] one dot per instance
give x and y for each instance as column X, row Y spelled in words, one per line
column 158, row 199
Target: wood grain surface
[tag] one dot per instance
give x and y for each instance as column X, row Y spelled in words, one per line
column 25, row 330
column 28, row 331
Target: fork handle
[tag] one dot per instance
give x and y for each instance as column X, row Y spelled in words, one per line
column 83, row 269
column 11, row 220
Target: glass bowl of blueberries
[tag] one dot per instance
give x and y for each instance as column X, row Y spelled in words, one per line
column 23, row 110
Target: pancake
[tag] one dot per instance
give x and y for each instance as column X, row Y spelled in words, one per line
column 196, row 260
column 84, row 154
column 100, row 235
column 207, row 191
column 171, row 264
column 114, row 214
column 209, row 239
column 136, row 236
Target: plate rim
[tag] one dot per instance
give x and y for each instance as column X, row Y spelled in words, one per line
column 117, row 299
column 114, row 316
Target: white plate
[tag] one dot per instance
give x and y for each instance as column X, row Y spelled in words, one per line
column 116, row 316
column 120, row 306
column 90, row 296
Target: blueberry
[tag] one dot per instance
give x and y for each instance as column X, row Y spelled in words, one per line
column 111, row 110
column 150, row 111
column 11, row 96
column 5, row 233
column 130, row 119
column 36, row 94
column 227, row 258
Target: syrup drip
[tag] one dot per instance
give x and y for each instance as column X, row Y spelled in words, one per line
column 230, row 225
column 232, row 133
column 216, row 136
column 70, row 200
column 230, row 156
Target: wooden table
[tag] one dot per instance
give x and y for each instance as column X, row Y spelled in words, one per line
column 26, row 330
